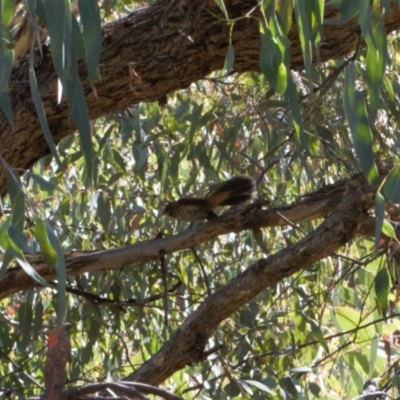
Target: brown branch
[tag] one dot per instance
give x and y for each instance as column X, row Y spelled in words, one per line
column 314, row 205
column 187, row 346
column 147, row 55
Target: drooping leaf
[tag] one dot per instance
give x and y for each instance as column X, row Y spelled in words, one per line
column 17, row 197
column 382, row 290
column 376, row 64
column 230, row 58
column 47, row 252
column 380, row 216
column 90, row 17
column 41, row 113
column 356, row 115
column 391, row 186
column 81, row 115
column 61, row 274
column 55, row 15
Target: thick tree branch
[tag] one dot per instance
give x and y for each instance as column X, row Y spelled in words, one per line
column 188, row 343
column 313, row 206
column 168, row 46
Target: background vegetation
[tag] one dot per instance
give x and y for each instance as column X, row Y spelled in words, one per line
column 328, row 331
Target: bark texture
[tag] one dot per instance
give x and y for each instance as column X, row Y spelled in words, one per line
column 168, row 46
column 187, row 345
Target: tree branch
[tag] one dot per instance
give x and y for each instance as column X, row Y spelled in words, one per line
column 312, row 206
column 188, row 343
column 147, row 55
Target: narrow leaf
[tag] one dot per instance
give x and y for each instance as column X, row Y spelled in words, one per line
column 221, row 5
column 380, row 216
column 230, row 58
column 61, row 275
column 48, row 253
column 382, row 290
column 391, row 187
column 81, row 116
column 90, row 17
column 17, row 197
column 55, row 14
column 356, row 115
column 376, row 63
column 41, row 114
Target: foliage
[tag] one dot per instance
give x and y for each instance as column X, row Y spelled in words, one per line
column 320, row 334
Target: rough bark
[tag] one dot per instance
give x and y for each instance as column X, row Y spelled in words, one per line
column 169, row 45
column 187, row 345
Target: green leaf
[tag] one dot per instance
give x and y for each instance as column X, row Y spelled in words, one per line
column 391, row 187
column 388, row 229
column 55, row 15
column 90, row 18
column 77, row 39
column 365, row 19
column 347, row 10
column 292, row 98
column 7, row 11
column 376, row 64
column 221, row 5
column 285, row 12
column 31, row 6
column 104, row 212
column 17, row 198
column 380, row 217
column 43, row 183
column 271, row 60
column 61, row 275
column 382, row 289
column 303, row 15
column 261, row 386
column 349, row 320
column 18, row 255
column 356, row 115
column 41, row 113
column 81, row 115
column 230, row 59
column 260, row 240
column 7, row 255
column 48, row 253
column 19, row 239
column 373, row 353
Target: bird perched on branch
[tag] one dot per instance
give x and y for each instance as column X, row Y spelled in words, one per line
column 237, row 190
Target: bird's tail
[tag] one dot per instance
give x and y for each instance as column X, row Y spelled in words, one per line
column 236, row 190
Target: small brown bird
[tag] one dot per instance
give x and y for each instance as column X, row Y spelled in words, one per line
column 237, row 190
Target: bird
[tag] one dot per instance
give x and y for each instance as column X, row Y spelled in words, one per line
column 237, row 190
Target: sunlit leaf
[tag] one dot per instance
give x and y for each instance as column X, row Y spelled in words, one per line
column 47, row 252
column 41, row 113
